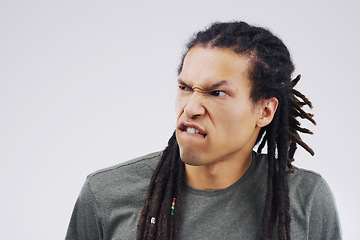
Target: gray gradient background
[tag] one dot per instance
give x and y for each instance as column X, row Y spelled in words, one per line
column 88, row 84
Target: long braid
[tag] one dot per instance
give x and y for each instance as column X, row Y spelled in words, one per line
column 270, row 71
column 164, row 186
column 173, row 191
column 282, row 190
column 269, row 216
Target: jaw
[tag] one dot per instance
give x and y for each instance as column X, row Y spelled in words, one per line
column 210, row 170
column 192, row 147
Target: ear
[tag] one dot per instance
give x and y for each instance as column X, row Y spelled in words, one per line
column 267, row 111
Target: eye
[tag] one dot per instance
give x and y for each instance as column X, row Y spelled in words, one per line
column 184, row 88
column 218, row 93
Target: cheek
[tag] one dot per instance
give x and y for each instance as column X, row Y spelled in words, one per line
column 179, row 106
column 235, row 119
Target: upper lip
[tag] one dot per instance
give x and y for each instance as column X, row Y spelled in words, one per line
column 184, row 125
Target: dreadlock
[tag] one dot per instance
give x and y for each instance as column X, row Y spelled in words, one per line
column 270, row 75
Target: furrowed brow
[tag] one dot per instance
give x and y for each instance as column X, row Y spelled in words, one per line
column 209, row 88
column 181, row 82
column 216, row 85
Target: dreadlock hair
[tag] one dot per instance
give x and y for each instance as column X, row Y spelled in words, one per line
column 270, row 75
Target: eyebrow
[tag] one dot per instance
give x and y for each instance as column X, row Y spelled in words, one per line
column 210, row 88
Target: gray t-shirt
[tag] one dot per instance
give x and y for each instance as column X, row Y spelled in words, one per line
column 111, row 200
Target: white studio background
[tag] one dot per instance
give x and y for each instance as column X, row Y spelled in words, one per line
column 88, row 84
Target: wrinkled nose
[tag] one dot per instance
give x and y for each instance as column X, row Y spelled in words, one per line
column 194, row 107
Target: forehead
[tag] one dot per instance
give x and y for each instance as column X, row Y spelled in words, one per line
column 207, row 65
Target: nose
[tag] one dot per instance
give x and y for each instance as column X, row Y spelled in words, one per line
column 194, row 107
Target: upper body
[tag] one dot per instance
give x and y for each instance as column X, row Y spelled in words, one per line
column 235, row 90
column 111, row 200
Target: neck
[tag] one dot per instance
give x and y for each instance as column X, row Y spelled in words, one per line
column 218, row 175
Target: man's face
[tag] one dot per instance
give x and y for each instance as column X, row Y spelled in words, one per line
column 216, row 119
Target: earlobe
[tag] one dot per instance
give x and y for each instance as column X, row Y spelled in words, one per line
column 267, row 112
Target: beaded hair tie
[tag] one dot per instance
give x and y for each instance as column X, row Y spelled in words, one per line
column 173, row 206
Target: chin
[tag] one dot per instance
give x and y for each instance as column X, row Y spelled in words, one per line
column 192, row 158
column 192, row 154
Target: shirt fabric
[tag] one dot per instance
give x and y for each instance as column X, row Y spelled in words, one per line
column 111, row 201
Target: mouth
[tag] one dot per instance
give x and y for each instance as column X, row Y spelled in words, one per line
column 191, row 129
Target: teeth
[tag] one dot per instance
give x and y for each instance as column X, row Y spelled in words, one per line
column 192, row 130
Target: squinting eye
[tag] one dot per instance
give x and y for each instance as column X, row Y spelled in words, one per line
column 183, row 88
column 218, row 93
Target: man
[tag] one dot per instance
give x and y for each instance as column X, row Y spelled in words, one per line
column 235, row 91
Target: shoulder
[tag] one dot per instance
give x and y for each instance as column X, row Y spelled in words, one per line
column 306, row 182
column 129, row 175
column 111, row 198
column 313, row 205
column 302, row 177
column 308, row 187
column 301, row 182
column 311, row 195
column 148, row 162
column 305, row 186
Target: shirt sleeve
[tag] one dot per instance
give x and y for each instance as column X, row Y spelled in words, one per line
column 85, row 222
column 324, row 220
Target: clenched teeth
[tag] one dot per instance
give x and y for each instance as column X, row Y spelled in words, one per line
column 192, row 130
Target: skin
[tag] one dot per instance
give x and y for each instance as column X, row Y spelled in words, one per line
column 214, row 98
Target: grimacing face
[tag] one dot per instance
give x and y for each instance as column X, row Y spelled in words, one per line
column 216, row 119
